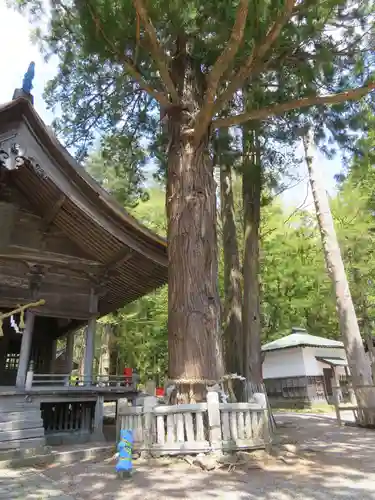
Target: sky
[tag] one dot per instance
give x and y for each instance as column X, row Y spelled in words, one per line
column 18, row 51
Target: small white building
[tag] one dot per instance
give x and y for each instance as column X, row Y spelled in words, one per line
column 302, row 366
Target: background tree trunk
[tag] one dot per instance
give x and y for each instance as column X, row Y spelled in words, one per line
column 251, row 192
column 105, row 346
column 358, row 363
column 194, row 338
column 232, row 319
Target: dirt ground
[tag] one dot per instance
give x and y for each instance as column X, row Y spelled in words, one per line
column 320, row 462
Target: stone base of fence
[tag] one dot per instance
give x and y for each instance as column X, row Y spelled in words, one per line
column 196, row 428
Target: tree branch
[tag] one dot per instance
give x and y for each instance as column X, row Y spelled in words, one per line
column 221, row 65
column 128, row 63
column 258, row 52
column 305, row 102
column 156, row 51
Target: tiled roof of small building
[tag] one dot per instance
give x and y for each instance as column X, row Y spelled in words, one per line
column 299, row 338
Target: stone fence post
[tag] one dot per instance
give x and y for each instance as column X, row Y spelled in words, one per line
column 122, row 403
column 214, row 421
column 148, row 408
column 261, row 399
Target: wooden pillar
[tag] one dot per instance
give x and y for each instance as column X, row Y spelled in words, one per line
column 27, row 337
column 90, row 341
column 69, row 352
column 336, row 380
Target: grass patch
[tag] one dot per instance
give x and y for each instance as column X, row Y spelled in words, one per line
column 324, row 408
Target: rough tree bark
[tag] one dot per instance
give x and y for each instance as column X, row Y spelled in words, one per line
column 251, row 193
column 194, row 338
column 349, row 329
column 105, row 350
column 232, row 320
column 194, row 307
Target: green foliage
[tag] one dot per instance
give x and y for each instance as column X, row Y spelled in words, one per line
column 152, row 212
column 140, row 328
column 354, row 213
column 296, row 290
column 96, row 43
column 141, row 334
column 117, row 168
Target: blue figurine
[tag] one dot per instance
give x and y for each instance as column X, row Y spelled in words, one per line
column 124, row 465
column 27, row 83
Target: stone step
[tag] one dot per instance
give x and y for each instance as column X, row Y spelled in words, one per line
column 13, row 425
column 20, row 435
column 30, row 443
column 10, row 406
column 32, row 414
column 45, row 455
column 9, row 456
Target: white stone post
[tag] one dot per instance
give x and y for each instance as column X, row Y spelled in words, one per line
column 261, row 399
column 214, row 422
column 121, row 406
column 148, row 409
column 27, row 337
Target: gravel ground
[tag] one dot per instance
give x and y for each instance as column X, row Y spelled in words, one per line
column 332, row 464
column 29, row 485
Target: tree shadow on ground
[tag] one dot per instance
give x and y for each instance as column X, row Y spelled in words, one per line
column 333, row 463
column 26, row 485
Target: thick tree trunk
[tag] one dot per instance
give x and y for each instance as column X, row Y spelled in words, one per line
column 105, row 346
column 251, row 192
column 194, row 339
column 358, row 364
column 233, row 348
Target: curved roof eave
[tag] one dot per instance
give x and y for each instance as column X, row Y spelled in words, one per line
column 21, row 108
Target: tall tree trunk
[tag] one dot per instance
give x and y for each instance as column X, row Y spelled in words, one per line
column 105, row 346
column 251, row 193
column 232, row 335
column 358, row 364
column 194, row 338
column 194, row 333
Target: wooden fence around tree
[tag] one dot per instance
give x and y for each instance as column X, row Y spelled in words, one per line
column 363, row 408
column 195, row 428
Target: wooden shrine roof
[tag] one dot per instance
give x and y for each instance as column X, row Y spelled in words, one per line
column 131, row 260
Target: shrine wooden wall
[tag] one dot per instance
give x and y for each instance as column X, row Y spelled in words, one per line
column 32, row 248
column 46, row 330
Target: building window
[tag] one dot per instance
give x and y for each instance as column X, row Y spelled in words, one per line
column 12, row 361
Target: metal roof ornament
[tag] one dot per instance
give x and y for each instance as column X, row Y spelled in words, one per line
column 28, row 78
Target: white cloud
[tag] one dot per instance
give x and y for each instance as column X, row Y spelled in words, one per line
column 17, row 52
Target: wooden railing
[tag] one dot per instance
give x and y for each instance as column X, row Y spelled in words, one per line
column 194, row 428
column 37, row 381
column 68, row 417
column 363, row 407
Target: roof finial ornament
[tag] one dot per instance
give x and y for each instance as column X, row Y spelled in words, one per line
column 27, row 83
